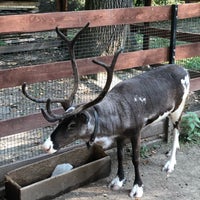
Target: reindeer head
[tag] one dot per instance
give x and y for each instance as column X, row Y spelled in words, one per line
column 78, row 121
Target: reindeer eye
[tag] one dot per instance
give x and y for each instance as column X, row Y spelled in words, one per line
column 71, row 125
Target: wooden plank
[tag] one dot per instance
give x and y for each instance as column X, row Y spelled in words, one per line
column 21, row 124
column 188, row 10
column 52, row 71
column 30, row 46
column 45, row 72
column 48, row 21
column 153, row 130
column 187, row 51
column 36, row 73
column 104, row 17
column 195, row 84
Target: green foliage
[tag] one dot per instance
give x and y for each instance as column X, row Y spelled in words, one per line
column 148, row 150
column 158, row 2
column 190, row 128
column 144, row 151
column 138, row 3
column 2, row 43
column 166, row 2
column 74, row 5
column 191, row 63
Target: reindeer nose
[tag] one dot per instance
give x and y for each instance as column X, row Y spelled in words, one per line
column 48, row 146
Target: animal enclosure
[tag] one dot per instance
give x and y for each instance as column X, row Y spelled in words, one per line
column 31, row 52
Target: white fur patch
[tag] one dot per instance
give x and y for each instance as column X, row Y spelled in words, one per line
column 175, row 117
column 186, row 82
column 105, row 142
column 176, row 139
column 163, row 116
column 160, row 117
column 141, row 99
column 48, row 146
column 116, row 184
column 169, row 166
column 70, row 109
column 137, row 191
column 177, row 113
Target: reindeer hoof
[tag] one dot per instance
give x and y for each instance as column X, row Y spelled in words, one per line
column 169, row 166
column 116, row 184
column 137, row 191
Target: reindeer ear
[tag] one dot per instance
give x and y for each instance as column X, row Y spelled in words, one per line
column 84, row 117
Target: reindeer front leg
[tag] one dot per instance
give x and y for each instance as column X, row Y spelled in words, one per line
column 137, row 190
column 119, row 180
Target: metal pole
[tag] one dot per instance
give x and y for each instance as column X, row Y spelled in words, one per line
column 146, row 37
column 172, row 48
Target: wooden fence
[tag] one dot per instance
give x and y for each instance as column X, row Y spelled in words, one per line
column 27, row 23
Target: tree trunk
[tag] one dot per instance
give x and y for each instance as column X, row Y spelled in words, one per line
column 106, row 4
column 105, row 40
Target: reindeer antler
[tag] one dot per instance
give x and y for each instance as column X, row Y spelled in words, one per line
column 66, row 103
column 109, row 69
column 71, row 44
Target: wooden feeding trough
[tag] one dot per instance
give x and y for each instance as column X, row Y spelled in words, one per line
column 34, row 181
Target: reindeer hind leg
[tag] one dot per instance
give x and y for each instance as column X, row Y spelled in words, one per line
column 175, row 119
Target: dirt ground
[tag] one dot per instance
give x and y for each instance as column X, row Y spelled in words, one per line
column 182, row 184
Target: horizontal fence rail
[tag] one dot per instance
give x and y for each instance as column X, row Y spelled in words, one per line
column 44, row 72
column 43, row 22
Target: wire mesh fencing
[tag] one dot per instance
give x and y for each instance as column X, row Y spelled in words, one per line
column 28, row 144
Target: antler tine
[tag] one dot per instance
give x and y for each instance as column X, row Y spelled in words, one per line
column 30, row 97
column 49, row 115
column 110, row 70
column 71, row 44
column 37, row 100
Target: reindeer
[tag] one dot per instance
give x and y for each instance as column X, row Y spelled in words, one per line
column 123, row 112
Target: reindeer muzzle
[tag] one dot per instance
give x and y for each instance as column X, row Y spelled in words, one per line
column 48, row 146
